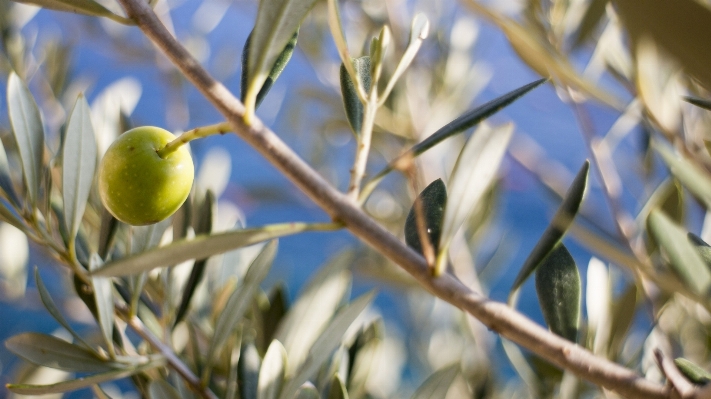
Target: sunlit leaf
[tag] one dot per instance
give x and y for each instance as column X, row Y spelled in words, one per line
column 351, row 101
column 473, row 173
column 103, row 295
column 623, row 312
column 696, row 180
column 6, row 179
column 326, row 343
column 49, row 351
column 693, row 372
column 437, row 385
column 271, row 374
column 29, row 133
column 433, row 199
column 419, row 30
column 307, row 391
column 78, row 164
column 277, row 21
column 562, row 219
column 338, row 388
column 202, row 247
column 559, row 292
column 87, row 7
column 83, row 382
column 702, row 248
column 248, row 370
column 683, row 258
column 160, row 389
column 274, row 73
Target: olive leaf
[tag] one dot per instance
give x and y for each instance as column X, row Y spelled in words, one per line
column 559, row 292
column 161, row 389
column 49, row 351
column 107, row 232
column 419, row 30
column 103, row 295
column 702, row 248
column 307, row 391
column 6, row 187
column 437, row 385
column 683, row 258
column 591, row 19
column 201, row 247
column 433, row 199
column 28, row 132
column 473, row 173
column 274, row 73
column 693, row 372
column 271, row 374
column 696, row 180
column 562, row 219
column 78, row 165
column 337, row 390
column 276, row 23
column 351, row 101
column 86, row 7
column 248, row 369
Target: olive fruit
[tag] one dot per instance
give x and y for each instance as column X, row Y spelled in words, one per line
column 139, row 187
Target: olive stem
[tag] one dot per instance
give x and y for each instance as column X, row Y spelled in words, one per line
column 190, row 135
column 363, row 142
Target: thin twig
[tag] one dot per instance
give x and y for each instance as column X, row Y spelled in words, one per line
column 674, row 376
column 190, row 135
column 497, row 316
column 363, row 149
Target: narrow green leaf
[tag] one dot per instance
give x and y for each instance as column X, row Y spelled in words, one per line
column 161, row 389
column 623, row 312
column 683, row 258
column 107, row 232
column 51, row 307
column 679, row 26
column 437, row 385
column 248, row 370
column 206, row 220
column 559, row 292
column 473, row 173
column 104, row 297
column 419, row 30
column 562, row 219
column 202, row 246
column 46, row 350
column 433, row 199
column 8, row 216
column 278, row 308
column 276, row 23
column 693, row 372
column 29, row 134
column 274, row 73
column 241, row 299
column 338, row 388
column 326, row 343
column 699, row 102
column 696, row 180
column 86, row 7
column 351, row 101
column 83, row 382
column 78, row 165
column 6, row 179
column 271, row 374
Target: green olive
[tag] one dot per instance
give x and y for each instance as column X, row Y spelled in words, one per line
column 139, row 187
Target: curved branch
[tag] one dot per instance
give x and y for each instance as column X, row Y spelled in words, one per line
column 497, row 316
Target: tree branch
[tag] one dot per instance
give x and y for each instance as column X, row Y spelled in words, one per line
column 497, row 316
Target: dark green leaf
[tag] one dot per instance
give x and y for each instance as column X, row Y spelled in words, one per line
column 437, row 385
column 29, row 134
column 559, row 293
column 562, row 219
column 693, row 372
column 49, row 351
column 698, row 101
column 160, row 389
column 272, row 317
column 107, row 233
column 248, row 370
column 78, row 164
column 433, row 199
column 338, row 388
column 683, row 258
column 6, row 180
column 271, row 374
column 274, row 73
column 351, row 101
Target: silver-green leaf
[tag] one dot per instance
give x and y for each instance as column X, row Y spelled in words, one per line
column 437, row 385
column 271, row 375
column 49, row 351
column 103, row 294
column 6, row 179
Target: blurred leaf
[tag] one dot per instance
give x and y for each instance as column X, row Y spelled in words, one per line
column 473, row 173
column 241, row 299
column 351, row 101
column 271, row 374
column 107, row 232
column 86, row 7
column 559, row 292
column 277, row 21
column 48, row 351
column 433, row 199
column 206, row 220
column 248, row 370
column 696, row 180
column 419, row 30
column 683, row 258
column 161, row 389
column 29, row 134
column 326, row 343
column 272, row 317
column 699, row 102
column 679, row 26
column 103, row 294
column 78, row 164
column 693, row 372
column 202, row 247
column 7, row 216
column 702, row 248
column 562, row 219
column 437, row 385
column 622, row 316
column 6, row 179
column 83, row 382
column 338, row 388
column 274, row 73
column 54, row 311
column 593, row 15
column 307, row 391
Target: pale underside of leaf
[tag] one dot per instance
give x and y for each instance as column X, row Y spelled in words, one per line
column 49, row 351
column 271, row 374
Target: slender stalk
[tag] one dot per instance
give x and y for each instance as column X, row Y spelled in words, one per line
column 497, row 316
column 190, row 135
column 364, row 140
